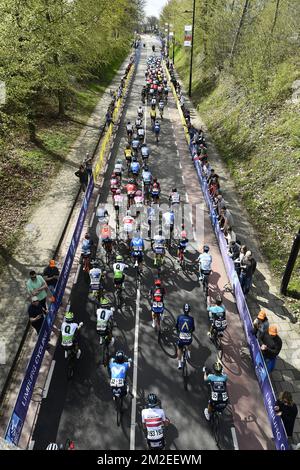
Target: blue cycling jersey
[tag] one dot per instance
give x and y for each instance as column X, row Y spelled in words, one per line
column 137, row 243
column 86, row 245
column 185, row 324
column 118, row 371
column 183, row 243
column 135, row 167
column 157, row 128
column 216, row 378
column 217, row 311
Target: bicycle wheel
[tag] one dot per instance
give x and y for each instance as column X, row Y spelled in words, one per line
column 119, row 402
column 216, row 430
column 185, row 371
column 70, row 366
column 219, row 347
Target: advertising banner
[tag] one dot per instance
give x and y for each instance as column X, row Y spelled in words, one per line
column 188, row 35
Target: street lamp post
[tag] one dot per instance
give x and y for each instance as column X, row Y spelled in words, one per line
column 192, row 50
column 174, row 48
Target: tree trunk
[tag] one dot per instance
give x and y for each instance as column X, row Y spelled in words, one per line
column 238, row 32
column 275, row 16
column 61, row 104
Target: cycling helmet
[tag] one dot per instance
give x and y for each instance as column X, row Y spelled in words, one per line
column 206, row 248
column 146, row 168
column 183, row 234
column 120, row 357
column 157, row 282
column 119, row 258
column 87, row 235
column 128, row 146
column 218, row 300
column 104, row 302
column 217, row 367
column 131, row 181
column 128, row 122
column 186, row 308
column 69, row 316
column 52, row 446
column 139, row 193
column 174, row 190
column 118, row 191
column 134, row 159
column 152, row 400
column 95, row 264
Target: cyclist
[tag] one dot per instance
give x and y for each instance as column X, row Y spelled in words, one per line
column 69, row 334
column 114, row 183
column 158, row 247
column 155, row 190
column 168, row 222
column 86, row 248
column 174, row 197
column 154, row 420
column 128, row 224
column 140, row 112
column 157, row 292
column 131, row 190
column 105, row 320
column 137, row 248
column 118, row 170
column 138, row 201
column 217, row 316
column 152, row 117
column 106, row 238
column 128, row 154
column 185, row 327
column 102, row 215
column 156, row 129
column 161, row 106
column 118, row 268
column 138, row 123
column 143, row 94
column 135, row 167
column 145, row 153
column 205, row 261
column 141, row 134
column 129, row 130
column 183, row 241
column 118, row 368
column 218, row 393
column 118, row 201
column 96, row 276
column 135, row 145
column 153, row 103
column 166, row 92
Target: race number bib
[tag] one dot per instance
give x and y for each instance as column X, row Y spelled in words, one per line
column 117, row 382
column 185, row 336
column 155, row 433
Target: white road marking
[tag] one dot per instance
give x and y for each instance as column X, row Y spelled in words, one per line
column 105, row 167
column 92, row 219
column 97, row 201
column 186, row 197
column 135, row 370
column 31, row 445
column 76, row 276
column 180, row 166
column 234, row 438
column 48, row 381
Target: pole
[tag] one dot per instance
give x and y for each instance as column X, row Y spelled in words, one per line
column 192, row 50
column 290, row 264
column 173, row 48
column 168, row 38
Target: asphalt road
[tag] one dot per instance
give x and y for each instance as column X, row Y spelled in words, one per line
column 82, row 409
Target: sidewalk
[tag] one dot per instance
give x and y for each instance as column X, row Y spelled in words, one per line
column 42, row 234
column 264, row 292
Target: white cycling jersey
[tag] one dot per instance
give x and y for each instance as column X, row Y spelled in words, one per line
column 205, row 260
column 95, row 276
column 128, row 223
column 129, row 127
column 175, row 198
column 103, row 316
column 141, row 131
column 154, row 418
column 119, row 267
column 145, row 151
column 67, row 333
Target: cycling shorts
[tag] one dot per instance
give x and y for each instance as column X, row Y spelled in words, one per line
column 119, row 281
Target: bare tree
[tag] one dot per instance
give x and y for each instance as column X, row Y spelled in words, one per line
column 238, row 31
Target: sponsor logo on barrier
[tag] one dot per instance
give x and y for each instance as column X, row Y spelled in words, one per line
column 14, row 429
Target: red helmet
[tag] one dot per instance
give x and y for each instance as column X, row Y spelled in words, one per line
column 157, row 282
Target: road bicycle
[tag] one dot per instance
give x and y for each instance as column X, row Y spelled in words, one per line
column 181, row 259
column 216, row 339
column 107, row 245
column 137, row 266
column 119, row 289
column 86, row 261
column 204, row 278
column 117, row 387
column 185, row 357
column 158, row 262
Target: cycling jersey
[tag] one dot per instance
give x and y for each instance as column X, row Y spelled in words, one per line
column 147, row 176
column 161, row 105
column 135, row 144
column 129, row 128
column 145, row 151
column 168, row 218
column 185, row 327
column 128, row 153
column 137, row 244
column 128, row 223
column 118, row 269
column 153, row 419
column 103, row 317
column 68, row 331
column 218, row 391
column 183, row 243
column 205, row 260
column 105, row 233
column 175, row 198
column 135, row 167
column 217, row 315
column 86, row 247
column 159, row 246
column 118, row 199
column 95, row 278
column 153, row 114
column 141, row 132
column 102, row 213
column 118, row 373
column 155, row 190
column 131, row 188
column 157, row 128
column 118, row 168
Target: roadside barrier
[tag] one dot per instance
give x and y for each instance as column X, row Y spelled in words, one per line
column 18, row 417
column 278, row 430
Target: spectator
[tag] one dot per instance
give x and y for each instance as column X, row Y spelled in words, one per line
column 287, row 409
column 88, row 163
column 36, row 314
column 219, row 205
column 83, row 176
column 248, row 267
column 51, row 275
column 270, row 345
column 37, row 287
column 260, row 324
column 226, row 219
column 230, row 236
column 233, row 250
column 108, row 118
